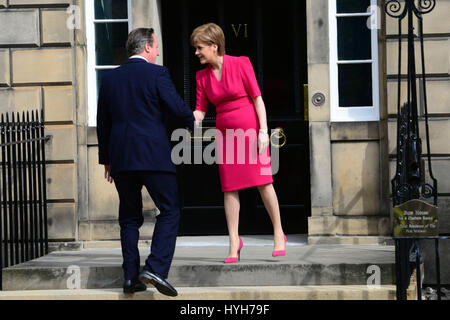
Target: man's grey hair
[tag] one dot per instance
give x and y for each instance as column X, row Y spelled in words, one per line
column 137, row 39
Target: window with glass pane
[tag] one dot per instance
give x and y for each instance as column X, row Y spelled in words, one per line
column 354, row 42
column 353, row 61
column 355, row 84
column 111, row 32
column 110, row 39
column 111, row 9
column 107, row 33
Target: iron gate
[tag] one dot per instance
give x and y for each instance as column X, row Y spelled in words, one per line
column 23, row 198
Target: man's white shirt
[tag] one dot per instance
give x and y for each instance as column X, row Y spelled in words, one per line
column 140, row 57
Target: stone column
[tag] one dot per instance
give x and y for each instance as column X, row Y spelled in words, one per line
column 319, row 117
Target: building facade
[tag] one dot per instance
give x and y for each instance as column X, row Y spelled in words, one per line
column 327, row 70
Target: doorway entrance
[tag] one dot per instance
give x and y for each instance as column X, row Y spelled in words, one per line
column 273, row 35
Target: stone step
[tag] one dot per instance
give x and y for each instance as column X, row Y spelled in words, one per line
column 349, row 292
column 36, row 278
column 202, row 266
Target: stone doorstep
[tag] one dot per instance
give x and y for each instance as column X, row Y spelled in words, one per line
column 106, row 277
column 198, row 265
column 348, row 292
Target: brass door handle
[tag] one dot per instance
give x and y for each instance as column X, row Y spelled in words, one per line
column 278, row 133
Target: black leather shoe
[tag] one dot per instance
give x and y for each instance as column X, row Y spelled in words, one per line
column 149, row 276
column 132, row 287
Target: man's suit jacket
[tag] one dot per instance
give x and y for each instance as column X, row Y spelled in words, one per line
column 132, row 105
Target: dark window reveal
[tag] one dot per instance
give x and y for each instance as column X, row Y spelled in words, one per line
column 354, row 39
column 111, row 9
column 352, row 6
column 110, row 39
column 355, row 85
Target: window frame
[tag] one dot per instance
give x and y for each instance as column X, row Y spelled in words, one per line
column 354, row 113
column 92, row 67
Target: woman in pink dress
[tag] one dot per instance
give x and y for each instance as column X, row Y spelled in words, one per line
column 229, row 83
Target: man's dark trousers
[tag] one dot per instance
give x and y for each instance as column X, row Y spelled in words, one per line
column 163, row 188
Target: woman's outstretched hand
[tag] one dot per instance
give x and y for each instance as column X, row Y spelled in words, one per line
column 199, row 116
column 263, row 141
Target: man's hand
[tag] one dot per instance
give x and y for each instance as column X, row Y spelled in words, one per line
column 108, row 173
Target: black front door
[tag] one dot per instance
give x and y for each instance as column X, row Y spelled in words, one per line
column 273, row 35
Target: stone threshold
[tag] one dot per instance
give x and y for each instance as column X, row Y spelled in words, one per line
column 199, row 241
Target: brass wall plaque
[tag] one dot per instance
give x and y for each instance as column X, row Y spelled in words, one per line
column 415, row 218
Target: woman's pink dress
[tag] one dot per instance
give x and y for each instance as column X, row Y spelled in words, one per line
column 237, row 126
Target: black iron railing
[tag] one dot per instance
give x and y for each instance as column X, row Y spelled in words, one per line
column 417, row 260
column 23, row 197
column 409, row 181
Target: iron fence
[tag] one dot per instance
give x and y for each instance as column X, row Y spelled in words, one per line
column 409, row 181
column 416, row 260
column 23, row 197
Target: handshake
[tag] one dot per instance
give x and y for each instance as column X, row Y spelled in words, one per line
column 199, row 116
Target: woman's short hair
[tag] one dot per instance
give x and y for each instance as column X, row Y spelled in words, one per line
column 137, row 39
column 210, row 34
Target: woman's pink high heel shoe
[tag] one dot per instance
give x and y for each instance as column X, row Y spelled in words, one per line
column 232, row 259
column 277, row 253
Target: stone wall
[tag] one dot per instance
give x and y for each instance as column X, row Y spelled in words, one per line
column 37, row 71
column 349, row 160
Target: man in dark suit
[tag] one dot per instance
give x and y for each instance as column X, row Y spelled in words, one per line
column 135, row 150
